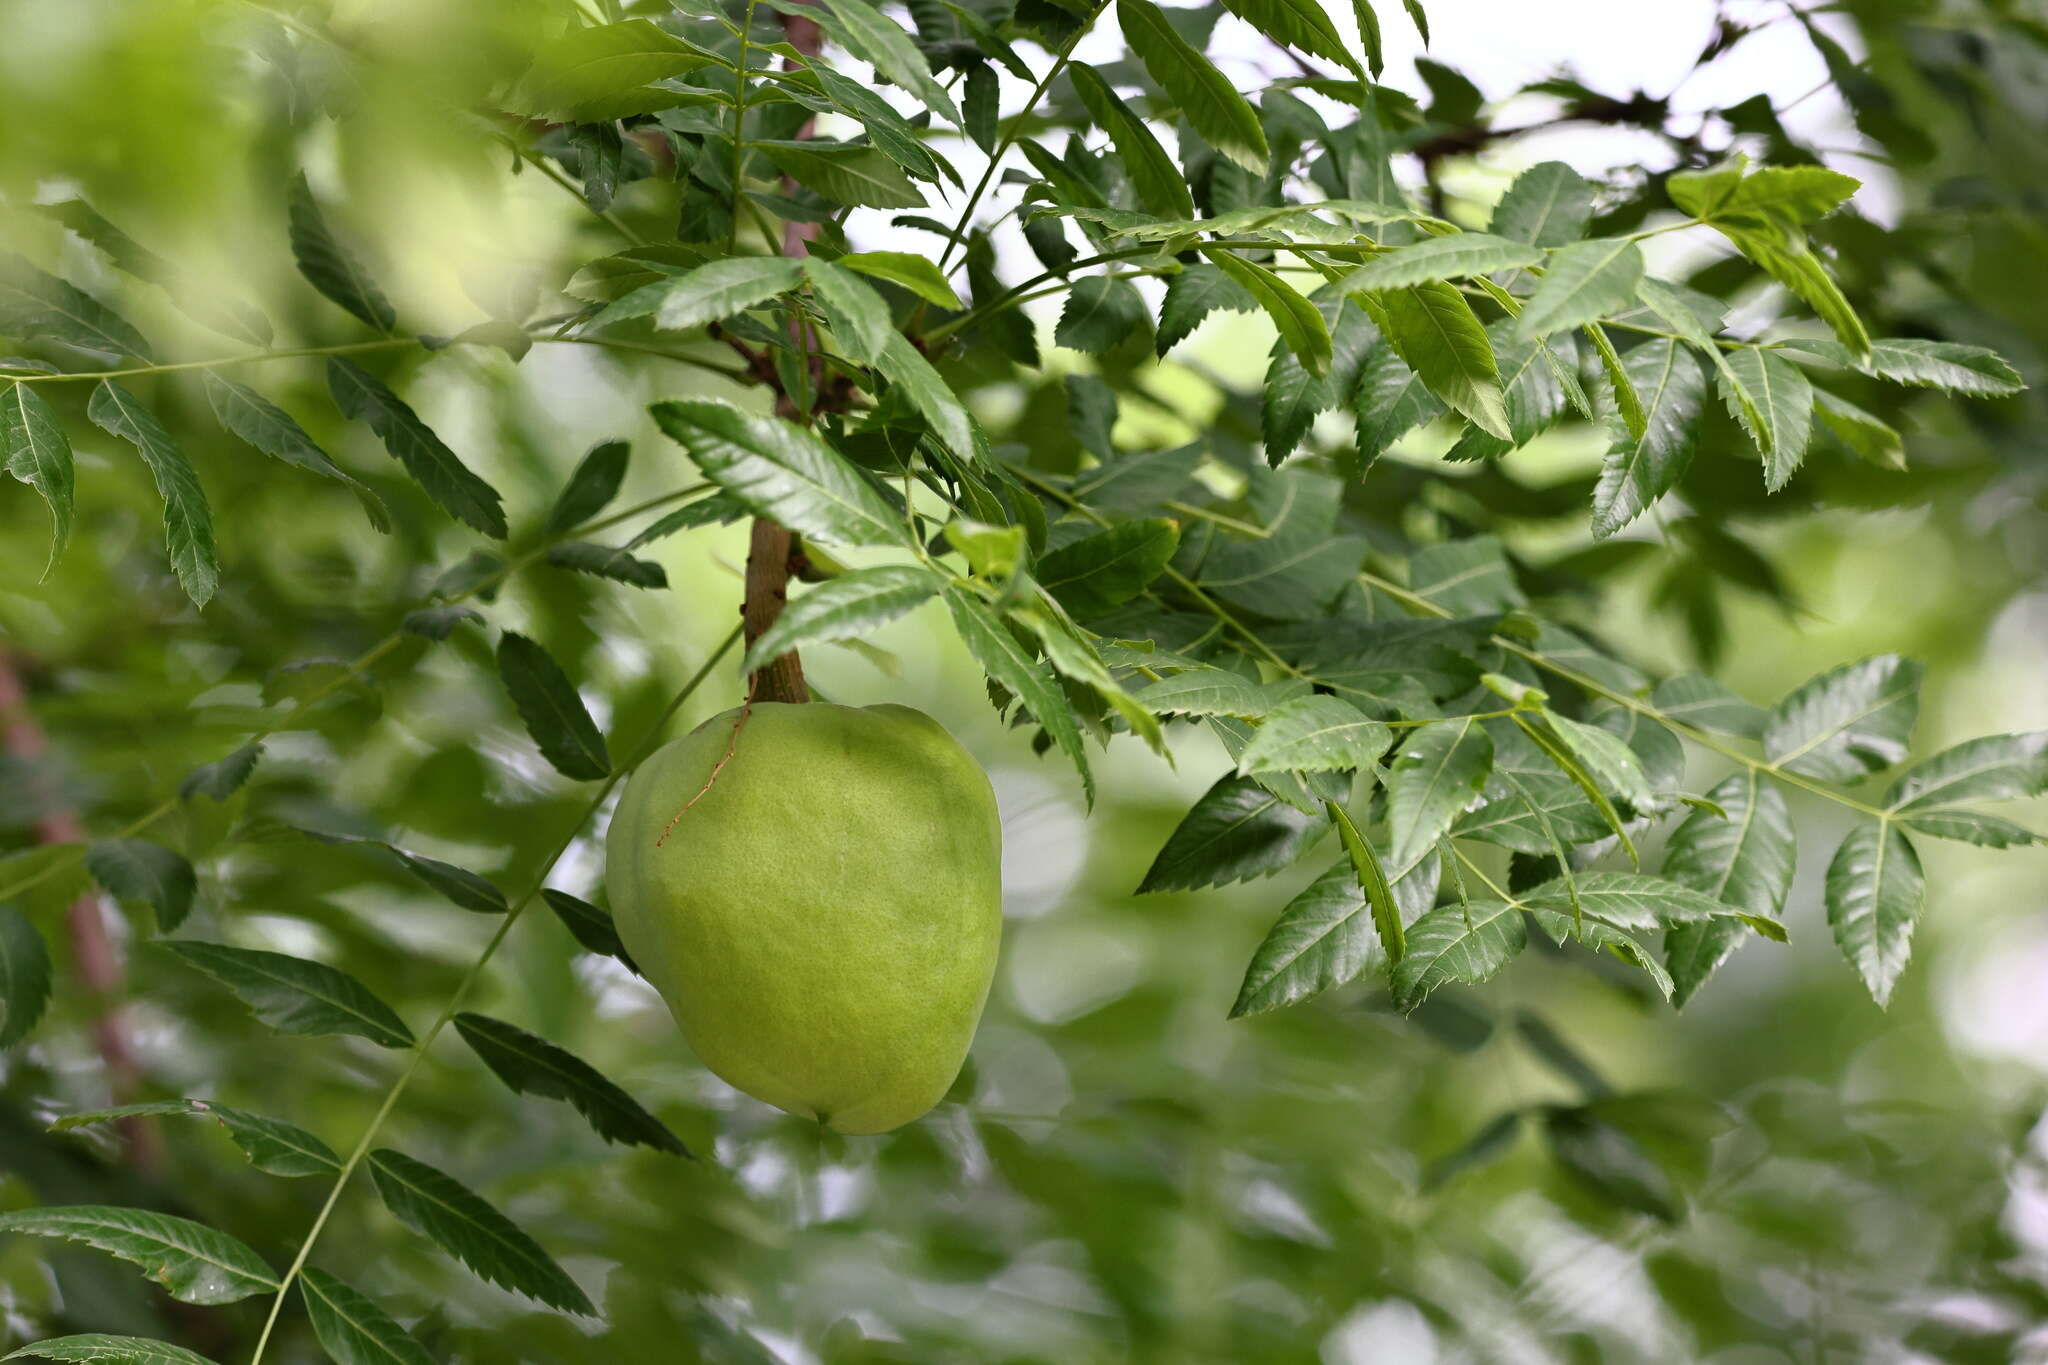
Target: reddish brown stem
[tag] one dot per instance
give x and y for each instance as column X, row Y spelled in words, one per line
column 93, row 955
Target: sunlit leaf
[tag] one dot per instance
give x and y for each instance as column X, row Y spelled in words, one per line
column 194, row 1263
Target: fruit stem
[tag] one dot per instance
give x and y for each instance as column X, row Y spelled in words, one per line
column 768, row 569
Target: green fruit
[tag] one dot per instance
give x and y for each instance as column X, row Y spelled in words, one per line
column 823, row 917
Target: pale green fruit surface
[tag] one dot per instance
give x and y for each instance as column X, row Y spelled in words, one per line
column 823, row 922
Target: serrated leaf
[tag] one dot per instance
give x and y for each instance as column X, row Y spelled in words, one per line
column 864, row 31
column 101, row 1348
column 1456, row 256
column 1457, row 943
column 329, row 266
column 194, row 1263
column 895, row 135
column 600, row 72
column 442, row 1209
column 534, row 1066
column 459, row 885
column 1160, row 185
column 1301, row 24
column 1969, row 826
column 846, row 173
column 1102, row 571
column 36, row 451
column 1705, row 704
column 906, row 367
column 1438, row 772
column 1208, row 692
column 912, row 272
column 137, row 870
column 1205, row 95
column 589, row 926
column 1198, row 290
column 1773, row 401
column 591, row 486
column 1100, row 311
column 1315, row 734
column 1638, row 470
column 783, row 471
column 607, row 561
column 1438, row 336
column 1745, row 858
column 1584, row 282
column 24, row 976
column 35, row 304
column 710, row 293
column 272, row 1145
column 188, row 522
column 1302, row 330
column 1023, row 676
column 843, row 608
column 1322, row 940
column 1548, row 205
column 1372, row 878
column 1849, row 722
column 1391, row 400
column 1637, row 901
column 1991, row 768
column 554, row 714
column 437, row 469
column 350, row 1326
column 294, row 995
column 272, row 430
column 1874, row 893
column 1237, row 831
column 856, row 313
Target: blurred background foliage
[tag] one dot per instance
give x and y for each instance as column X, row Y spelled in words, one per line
column 1122, row 1174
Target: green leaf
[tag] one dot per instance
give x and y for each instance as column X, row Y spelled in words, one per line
column 905, row 366
column 1869, row 436
column 602, row 72
column 1209, row 692
column 844, row 608
column 1237, row 831
column 534, row 1066
column 554, row 715
column 1160, row 185
column 707, row 294
column 1301, row 24
column 1436, row 333
column 1437, row 773
column 436, row 468
column 462, row 887
column 856, row 313
column 24, row 976
column 1744, row 858
column 1302, row 329
column 1969, row 826
column 188, row 523
column 1848, row 722
column 1205, row 95
column 100, row 1348
column 1572, row 759
column 591, row 487
column 1639, row 470
column 1102, row 571
column 1585, row 281
column 1874, row 894
column 1322, row 940
column 442, row 1209
column 293, row 995
column 1991, row 768
column 895, row 135
column 1628, row 403
column 1707, row 705
column 1467, row 943
column 327, row 264
column 1464, row 577
column 1391, row 400
column 36, row 451
column 591, row 927
column 35, row 304
column 272, row 1145
column 137, row 870
column 1926, row 364
column 862, row 30
column 607, row 561
column 194, row 1263
column 1100, row 312
column 272, row 430
column 350, row 1326
column 1634, row 900
column 1315, row 734
column 1773, row 401
column 1198, row 290
column 783, row 471
column 1372, row 877
column 1023, row 676
column 437, row 623
column 844, row 172
column 912, row 272
column 1457, row 256
column 1548, row 205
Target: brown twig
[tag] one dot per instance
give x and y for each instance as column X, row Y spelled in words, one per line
column 93, row 955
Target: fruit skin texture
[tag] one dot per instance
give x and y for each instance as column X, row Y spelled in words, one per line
column 823, row 922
